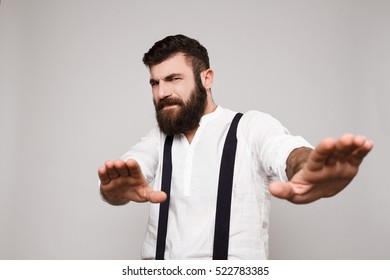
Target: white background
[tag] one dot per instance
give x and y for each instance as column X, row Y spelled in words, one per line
column 74, row 92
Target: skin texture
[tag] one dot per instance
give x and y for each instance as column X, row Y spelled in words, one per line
column 174, row 78
column 121, row 181
column 313, row 174
column 329, row 168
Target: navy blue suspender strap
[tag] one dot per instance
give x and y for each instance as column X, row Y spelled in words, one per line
column 164, row 207
column 224, row 197
column 225, row 187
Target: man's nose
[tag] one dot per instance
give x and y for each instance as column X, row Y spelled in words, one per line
column 164, row 90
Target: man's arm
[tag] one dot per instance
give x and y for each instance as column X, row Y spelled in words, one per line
column 324, row 171
column 122, row 182
column 296, row 160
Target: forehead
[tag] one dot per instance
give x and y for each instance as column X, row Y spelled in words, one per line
column 177, row 63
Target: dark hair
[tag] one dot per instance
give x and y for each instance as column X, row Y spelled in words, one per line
column 171, row 45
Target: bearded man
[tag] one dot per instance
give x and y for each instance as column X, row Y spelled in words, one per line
column 209, row 172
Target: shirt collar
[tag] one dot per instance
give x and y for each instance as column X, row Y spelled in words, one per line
column 211, row 116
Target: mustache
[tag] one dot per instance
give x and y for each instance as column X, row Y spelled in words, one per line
column 168, row 102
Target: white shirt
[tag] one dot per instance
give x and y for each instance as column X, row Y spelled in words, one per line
column 262, row 150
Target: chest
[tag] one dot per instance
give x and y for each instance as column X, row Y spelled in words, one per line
column 196, row 167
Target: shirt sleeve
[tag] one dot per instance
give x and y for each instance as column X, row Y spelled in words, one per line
column 146, row 153
column 272, row 144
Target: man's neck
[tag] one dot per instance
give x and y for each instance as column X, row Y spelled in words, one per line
column 211, row 107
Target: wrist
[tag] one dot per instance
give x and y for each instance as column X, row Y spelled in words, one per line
column 296, row 160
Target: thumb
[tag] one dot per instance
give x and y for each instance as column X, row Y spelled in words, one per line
column 157, row 197
column 281, row 190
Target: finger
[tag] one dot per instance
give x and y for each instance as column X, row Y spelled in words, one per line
column 321, row 154
column 103, row 176
column 121, row 168
column 361, row 153
column 333, row 158
column 157, row 197
column 342, row 149
column 112, row 172
column 345, row 145
column 348, row 143
column 134, row 168
column 281, row 190
column 353, row 148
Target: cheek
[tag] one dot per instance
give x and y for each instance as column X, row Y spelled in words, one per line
column 155, row 100
column 154, row 95
column 185, row 92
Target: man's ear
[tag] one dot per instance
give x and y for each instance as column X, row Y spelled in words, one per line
column 207, row 78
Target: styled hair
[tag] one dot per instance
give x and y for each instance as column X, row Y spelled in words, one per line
column 171, row 45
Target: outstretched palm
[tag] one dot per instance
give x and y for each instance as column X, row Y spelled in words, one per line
column 122, row 182
column 330, row 167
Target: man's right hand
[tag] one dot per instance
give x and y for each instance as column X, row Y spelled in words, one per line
column 122, row 182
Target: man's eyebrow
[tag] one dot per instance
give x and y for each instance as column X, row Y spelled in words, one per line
column 170, row 77
column 153, row 81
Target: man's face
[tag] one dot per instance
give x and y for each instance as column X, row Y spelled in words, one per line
column 179, row 99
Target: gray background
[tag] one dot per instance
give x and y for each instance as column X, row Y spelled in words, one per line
column 74, row 93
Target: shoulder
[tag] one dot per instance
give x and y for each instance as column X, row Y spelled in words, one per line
column 154, row 134
column 251, row 120
column 249, row 116
column 253, row 124
column 258, row 128
column 258, row 120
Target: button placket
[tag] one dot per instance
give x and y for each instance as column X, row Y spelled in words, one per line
column 188, row 171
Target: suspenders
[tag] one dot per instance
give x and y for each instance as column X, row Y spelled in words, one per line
column 164, row 207
column 225, row 186
column 224, row 198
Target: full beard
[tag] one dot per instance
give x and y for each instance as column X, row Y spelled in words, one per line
column 186, row 116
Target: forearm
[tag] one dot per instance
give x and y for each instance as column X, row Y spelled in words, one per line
column 295, row 161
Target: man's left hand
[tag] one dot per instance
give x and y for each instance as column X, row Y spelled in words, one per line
column 331, row 166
